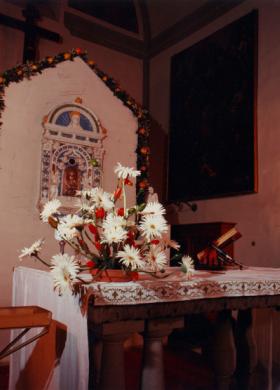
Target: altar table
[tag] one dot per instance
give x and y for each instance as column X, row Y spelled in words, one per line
column 152, row 307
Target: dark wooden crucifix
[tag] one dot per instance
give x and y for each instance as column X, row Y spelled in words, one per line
column 32, row 33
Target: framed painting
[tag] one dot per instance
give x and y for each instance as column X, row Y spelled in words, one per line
column 212, row 144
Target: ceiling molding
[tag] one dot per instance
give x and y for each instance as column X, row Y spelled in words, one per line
column 147, row 48
column 190, row 24
column 94, row 32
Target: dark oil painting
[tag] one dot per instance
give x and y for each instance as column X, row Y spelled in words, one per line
column 212, row 145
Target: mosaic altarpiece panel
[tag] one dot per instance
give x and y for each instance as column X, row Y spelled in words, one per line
column 72, row 154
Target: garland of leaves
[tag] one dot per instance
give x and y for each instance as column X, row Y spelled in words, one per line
column 27, row 71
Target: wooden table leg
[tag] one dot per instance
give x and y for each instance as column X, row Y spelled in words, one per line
column 246, row 348
column 152, row 377
column 222, row 350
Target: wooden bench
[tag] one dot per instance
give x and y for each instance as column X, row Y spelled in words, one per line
column 26, row 317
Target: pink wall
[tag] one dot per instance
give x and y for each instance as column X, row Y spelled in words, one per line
column 123, row 68
column 257, row 215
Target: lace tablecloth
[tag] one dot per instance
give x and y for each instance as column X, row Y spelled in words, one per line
column 253, row 281
column 70, row 370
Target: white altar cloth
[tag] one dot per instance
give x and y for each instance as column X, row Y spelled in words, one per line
column 34, row 287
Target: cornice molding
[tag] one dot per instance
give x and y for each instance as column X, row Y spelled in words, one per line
column 190, row 24
column 94, row 32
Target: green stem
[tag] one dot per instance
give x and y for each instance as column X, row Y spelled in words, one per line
column 41, row 260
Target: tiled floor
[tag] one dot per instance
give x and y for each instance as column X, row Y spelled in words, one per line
column 184, row 370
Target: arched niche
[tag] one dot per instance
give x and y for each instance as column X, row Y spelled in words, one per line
column 72, row 153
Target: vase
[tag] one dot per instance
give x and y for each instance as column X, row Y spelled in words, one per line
column 114, row 275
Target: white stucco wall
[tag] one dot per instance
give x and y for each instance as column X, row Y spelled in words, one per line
column 20, row 141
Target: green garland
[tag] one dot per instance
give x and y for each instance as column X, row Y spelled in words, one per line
column 27, row 71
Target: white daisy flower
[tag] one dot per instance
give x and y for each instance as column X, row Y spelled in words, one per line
column 101, row 198
column 125, row 172
column 64, row 270
column 155, row 208
column 153, row 226
column 130, row 257
column 32, row 250
column 113, row 235
column 156, row 258
column 114, row 222
column 113, row 229
column 187, row 265
column 171, row 243
column 49, row 209
column 72, row 221
column 64, row 232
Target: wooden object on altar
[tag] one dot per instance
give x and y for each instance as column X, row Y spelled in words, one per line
column 194, row 238
column 214, row 255
column 23, row 317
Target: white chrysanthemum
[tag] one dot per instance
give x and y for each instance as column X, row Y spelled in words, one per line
column 64, row 270
column 155, row 208
column 64, row 232
column 125, row 172
column 156, row 258
column 101, row 198
column 72, row 221
column 153, row 226
column 114, row 235
column 113, row 229
column 130, row 257
column 113, row 222
column 170, row 243
column 49, row 209
column 32, row 250
column 66, row 228
column 187, row 265
column 174, row 244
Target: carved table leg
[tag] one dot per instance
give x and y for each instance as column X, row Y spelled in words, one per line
column 112, row 364
column 152, row 377
column 222, row 350
column 246, row 348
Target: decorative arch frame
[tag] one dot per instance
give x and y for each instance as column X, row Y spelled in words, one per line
column 72, row 153
column 29, row 70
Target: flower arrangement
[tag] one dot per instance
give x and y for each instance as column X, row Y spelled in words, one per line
column 104, row 235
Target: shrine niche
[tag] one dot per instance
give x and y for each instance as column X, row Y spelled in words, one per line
column 72, row 153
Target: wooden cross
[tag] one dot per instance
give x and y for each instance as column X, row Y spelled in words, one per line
column 32, row 33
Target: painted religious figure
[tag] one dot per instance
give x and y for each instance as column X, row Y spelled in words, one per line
column 72, row 138
column 71, row 181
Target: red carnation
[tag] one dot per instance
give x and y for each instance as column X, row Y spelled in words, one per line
column 100, row 213
column 91, row 264
column 93, row 229
column 120, row 212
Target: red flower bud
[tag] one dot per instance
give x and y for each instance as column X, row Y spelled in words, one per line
column 97, row 245
column 117, row 193
column 91, row 264
column 93, row 229
column 100, row 213
column 128, row 182
column 131, row 235
column 120, row 212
